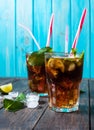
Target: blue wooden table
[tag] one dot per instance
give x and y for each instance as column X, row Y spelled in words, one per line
column 42, row 118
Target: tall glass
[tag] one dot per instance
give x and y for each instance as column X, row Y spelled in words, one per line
column 63, row 75
column 36, row 73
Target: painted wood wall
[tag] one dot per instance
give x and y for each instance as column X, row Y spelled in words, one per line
column 35, row 14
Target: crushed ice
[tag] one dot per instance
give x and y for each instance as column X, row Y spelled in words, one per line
column 13, row 94
column 32, row 99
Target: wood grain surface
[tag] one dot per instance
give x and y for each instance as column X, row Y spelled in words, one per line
column 42, row 118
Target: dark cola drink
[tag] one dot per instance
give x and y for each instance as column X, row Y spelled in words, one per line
column 36, row 78
column 64, row 74
column 36, row 71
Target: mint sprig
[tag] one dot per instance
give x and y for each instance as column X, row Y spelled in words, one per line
column 74, row 51
column 15, row 104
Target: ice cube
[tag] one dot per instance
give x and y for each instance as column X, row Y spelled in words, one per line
column 13, row 94
column 59, row 65
column 54, row 72
column 56, row 64
column 1, row 98
column 79, row 62
column 71, row 67
column 32, row 104
column 8, row 97
column 32, row 100
column 32, row 97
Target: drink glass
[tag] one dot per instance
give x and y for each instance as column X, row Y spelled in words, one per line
column 63, row 76
column 36, row 73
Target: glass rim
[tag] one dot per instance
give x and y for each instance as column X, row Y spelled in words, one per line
column 62, row 53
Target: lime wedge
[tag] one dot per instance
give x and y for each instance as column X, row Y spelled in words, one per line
column 6, row 88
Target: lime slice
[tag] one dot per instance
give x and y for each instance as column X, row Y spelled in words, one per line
column 6, row 88
column 51, row 63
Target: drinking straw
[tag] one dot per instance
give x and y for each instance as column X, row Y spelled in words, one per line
column 79, row 28
column 50, row 30
column 66, row 39
column 31, row 34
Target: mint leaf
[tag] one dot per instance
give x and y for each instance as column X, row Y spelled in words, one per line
column 21, row 97
column 45, row 49
column 82, row 55
column 74, row 51
column 12, row 105
column 37, row 58
column 16, row 104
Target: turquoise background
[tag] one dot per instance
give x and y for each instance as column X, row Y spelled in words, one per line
column 35, row 14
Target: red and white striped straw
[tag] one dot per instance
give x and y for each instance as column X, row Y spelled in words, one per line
column 50, row 30
column 31, row 34
column 79, row 29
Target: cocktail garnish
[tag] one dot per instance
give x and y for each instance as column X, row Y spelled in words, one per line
column 82, row 55
column 14, row 104
column 74, row 51
column 45, row 49
column 37, row 58
column 6, row 88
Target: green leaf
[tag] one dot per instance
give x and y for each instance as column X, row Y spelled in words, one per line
column 16, row 104
column 82, row 55
column 21, row 97
column 37, row 58
column 74, row 51
column 45, row 49
column 12, row 105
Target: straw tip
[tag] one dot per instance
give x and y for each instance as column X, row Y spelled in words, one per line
column 85, row 10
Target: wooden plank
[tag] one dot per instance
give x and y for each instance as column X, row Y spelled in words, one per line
column 24, row 42
column 19, row 84
column 23, row 119
column 7, row 80
column 42, row 14
column 91, row 86
column 68, row 121
column 92, row 37
column 83, row 42
column 7, row 38
column 62, row 12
